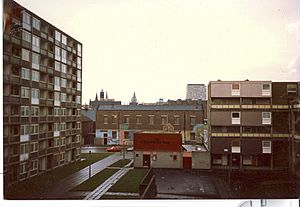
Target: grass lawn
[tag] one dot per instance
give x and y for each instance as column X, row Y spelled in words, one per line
column 95, row 181
column 40, row 182
column 120, row 163
column 130, row 181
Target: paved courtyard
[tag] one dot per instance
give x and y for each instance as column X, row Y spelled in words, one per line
column 182, row 184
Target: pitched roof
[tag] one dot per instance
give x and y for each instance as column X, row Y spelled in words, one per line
column 149, row 107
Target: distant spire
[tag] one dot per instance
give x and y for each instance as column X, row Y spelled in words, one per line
column 101, row 94
column 133, row 99
column 96, row 99
column 106, row 95
column 90, row 102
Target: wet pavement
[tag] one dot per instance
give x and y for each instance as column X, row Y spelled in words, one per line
column 172, row 183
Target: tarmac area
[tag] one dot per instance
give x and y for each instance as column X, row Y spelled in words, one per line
column 188, row 184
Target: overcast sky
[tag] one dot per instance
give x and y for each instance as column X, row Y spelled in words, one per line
column 156, row 48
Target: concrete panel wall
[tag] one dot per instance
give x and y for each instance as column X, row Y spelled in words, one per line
column 200, row 160
column 247, row 89
column 251, row 118
column 164, row 160
column 220, row 118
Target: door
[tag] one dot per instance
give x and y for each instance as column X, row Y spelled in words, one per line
column 146, row 161
column 187, row 163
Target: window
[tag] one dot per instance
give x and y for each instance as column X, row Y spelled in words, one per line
column 57, row 81
column 63, row 126
column 78, row 86
column 25, row 92
column 56, row 111
column 174, row 157
column 35, row 93
column 26, row 36
column 235, row 146
column 57, row 66
column 138, row 119
column 57, row 53
column 193, row 120
column 62, row 156
column 56, row 142
column 35, row 43
column 154, row 157
column 177, row 120
column 63, row 141
column 35, row 76
column 36, row 23
column 126, row 119
column 151, row 119
column 266, row 117
column 78, row 125
column 33, row 146
column 24, row 111
column 25, row 54
column 266, row 147
column 235, row 89
column 114, row 119
column 34, row 164
column 63, row 111
column 24, row 129
column 63, row 82
column 35, row 111
column 79, row 49
column 78, row 99
column 79, row 62
column 63, row 97
column 56, row 96
column 23, row 168
column 57, row 36
column 235, row 118
column 24, row 148
column 25, row 73
column 291, row 89
column 63, row 68
column 105, row 119
column 63, row 56
column 78, row 75
column 34, row 129
column 266, row 89
column 35, row 61
column 26, row 21
column 15, row 90
column 56, row 127
column 164, row 119
column 64, row 39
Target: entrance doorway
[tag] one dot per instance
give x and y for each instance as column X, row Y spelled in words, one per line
column 187, row 163
column 146, row 161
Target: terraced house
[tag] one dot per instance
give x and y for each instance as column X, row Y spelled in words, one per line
column 42, row 70
column 253, row 124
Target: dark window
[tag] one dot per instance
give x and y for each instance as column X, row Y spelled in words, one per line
column 174, row 157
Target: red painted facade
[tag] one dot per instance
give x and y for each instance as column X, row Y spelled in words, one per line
column 157, row 142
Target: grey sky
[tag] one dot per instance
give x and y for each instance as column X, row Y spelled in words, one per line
column 157, row 47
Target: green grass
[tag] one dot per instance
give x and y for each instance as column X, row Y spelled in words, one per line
column 130, row 181
column 120, row 163
column 38, row 183
column 95, row 181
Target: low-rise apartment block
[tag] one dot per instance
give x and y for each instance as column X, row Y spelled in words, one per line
column 252, row 124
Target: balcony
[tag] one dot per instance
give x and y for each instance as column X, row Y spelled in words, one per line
column 225, row 134
column 43, row 118
column 225, row 106
column 44, row 52
column 13, row 159
column 43, row 135
column 15, row 60
column 43, row 85
column 256, row 135
column 50, row 118
column 15, row 41
column 43, row 35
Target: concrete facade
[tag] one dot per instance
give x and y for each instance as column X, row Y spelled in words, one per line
column 251, row 124
column 42, row 84
column 196, row 92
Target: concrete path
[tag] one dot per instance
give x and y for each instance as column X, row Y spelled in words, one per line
column 103, row 188
column 59, row 190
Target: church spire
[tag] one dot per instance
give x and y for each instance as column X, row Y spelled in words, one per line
column 96, row 99
column 133, row 99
